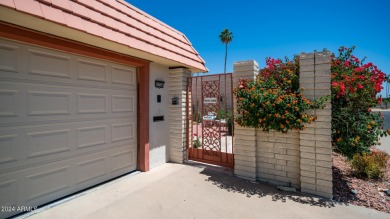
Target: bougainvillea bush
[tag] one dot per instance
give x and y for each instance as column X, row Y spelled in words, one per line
column 355, row 86
column 274, row 100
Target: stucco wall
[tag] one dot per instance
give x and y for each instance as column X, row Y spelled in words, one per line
column 159, row 131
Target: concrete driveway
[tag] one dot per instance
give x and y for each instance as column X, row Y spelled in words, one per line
column 196, row 191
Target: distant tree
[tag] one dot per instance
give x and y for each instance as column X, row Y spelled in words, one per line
column 226, row 37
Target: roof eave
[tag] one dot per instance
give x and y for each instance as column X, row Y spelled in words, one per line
column 28, row 21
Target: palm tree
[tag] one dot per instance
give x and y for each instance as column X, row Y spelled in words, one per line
column 226, row 37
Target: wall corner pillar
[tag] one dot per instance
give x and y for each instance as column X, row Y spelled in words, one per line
column 315, row 140
column 245, row 163
column 178, row 79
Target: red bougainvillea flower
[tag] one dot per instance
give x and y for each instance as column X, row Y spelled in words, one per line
column 355, row 89
column 358, row 69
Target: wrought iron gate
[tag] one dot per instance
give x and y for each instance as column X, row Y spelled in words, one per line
column 210, row 119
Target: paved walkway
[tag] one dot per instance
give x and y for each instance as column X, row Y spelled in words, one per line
column 193, row 191
column 385, row 142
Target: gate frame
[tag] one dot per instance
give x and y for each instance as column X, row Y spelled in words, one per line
column 224, row 159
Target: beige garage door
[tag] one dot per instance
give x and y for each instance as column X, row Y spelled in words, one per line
column 67, row 122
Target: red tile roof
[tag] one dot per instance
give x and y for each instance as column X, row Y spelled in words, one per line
column 117, row 21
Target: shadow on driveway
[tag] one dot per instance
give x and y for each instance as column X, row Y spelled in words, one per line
column 227, row 181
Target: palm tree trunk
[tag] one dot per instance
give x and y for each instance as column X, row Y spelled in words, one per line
column 225, row 58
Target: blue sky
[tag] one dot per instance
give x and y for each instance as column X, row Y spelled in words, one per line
column 277, row 28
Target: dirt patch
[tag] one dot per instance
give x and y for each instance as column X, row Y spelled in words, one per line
column 369, row 192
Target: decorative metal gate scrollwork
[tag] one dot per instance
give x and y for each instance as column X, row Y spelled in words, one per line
column 210, row 136
column 211, row 132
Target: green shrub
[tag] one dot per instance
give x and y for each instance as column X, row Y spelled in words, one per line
column 372, row 166
column 197, row 143
column 355, row 89
column 274, row 100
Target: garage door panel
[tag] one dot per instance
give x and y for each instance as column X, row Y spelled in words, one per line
column 92, row 103
column 29, row 102
column 123, row 131
column 47, row 103
column 34, row 144
column 44, row 143
column 49, row 64
column 123, row 76
column 67, row 122
column 9, row 58
column 123, row 103
column 120, row 162
column 9, row 99
column 8, row 147
column 92, row 170
column 92, row 136
column 119, row 156
column 47, row 181
column 91, row 71
column 8, row 191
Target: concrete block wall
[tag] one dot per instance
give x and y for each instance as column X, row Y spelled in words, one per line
column 301, row 159
column 177, row 114
column 245, row 162
column 278, row 158
column 315, row 140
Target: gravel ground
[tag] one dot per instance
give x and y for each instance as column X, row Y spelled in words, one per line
column 370, row 192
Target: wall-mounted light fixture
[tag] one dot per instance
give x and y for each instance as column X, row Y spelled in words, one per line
column 159, row 84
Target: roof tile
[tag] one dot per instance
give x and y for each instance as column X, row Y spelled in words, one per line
column 96, row 16
column 122, row 16
column 8, row 3
column 132, row 42
column 45, row 1
column 79, row 9
column 53, row 14
column 93, row 28
column 87, row 3
column 121, row 26
column 107, row 33
column 74, row 22
column 64, row 5
column 109, row 22
column 98, row 6
column 31, row 7
column 116, row 21
column 121, row 38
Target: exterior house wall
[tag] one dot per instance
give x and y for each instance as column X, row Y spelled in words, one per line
column 300, row 159
column 158, row 131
